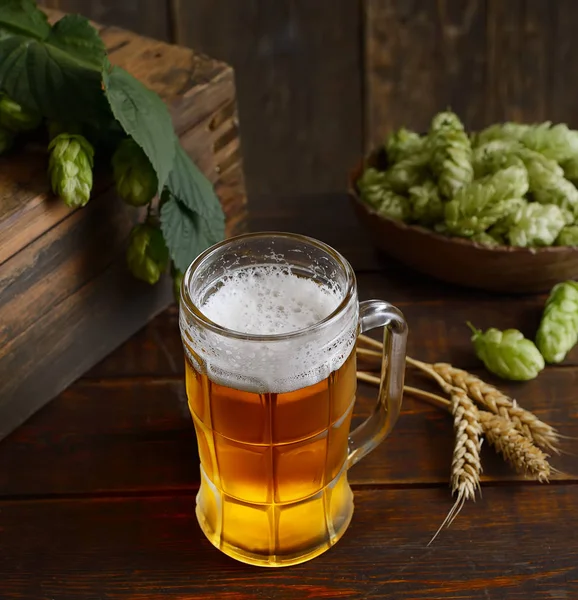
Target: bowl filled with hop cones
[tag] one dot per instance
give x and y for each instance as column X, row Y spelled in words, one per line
column 495, row 209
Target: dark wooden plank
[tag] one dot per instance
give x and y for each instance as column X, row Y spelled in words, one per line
column 147, row 17
column 137, row 435
column 298, row 71
column 521, row 40
column 515, row 544
column 422, row 57
column 564, row 92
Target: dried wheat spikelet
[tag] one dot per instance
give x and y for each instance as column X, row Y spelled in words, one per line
column 518, row 450
column 487, row 396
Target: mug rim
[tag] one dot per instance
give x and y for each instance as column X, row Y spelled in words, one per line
column 195, row 312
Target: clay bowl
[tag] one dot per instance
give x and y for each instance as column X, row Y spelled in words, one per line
column 460, row 261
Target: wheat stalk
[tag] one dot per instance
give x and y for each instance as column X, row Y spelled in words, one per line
column 514, row 447
column 488, row 396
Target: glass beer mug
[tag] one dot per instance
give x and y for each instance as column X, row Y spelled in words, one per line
column 269, row 323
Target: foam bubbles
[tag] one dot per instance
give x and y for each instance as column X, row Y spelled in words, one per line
column 269, row 300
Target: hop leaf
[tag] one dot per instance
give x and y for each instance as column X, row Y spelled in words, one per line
column 136, row 180
column 558, row 330
column 375, row 189
column 70, row 168
column 451, row 153
column 6, row 140
column 535, row 225
column 484, row 202
column 427, row 207
column 568, row 236
column 147, row 254
column 402, row 144
column 16, row 118
column 507, row 354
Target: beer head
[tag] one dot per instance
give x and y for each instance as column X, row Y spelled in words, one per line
column 279, row 322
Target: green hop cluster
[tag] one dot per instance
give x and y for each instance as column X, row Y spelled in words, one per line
column 558, row 330
column 570, row 168
column 427, row 207
column 136, row 180
column 495, row 155
column 507, row 354
column 550, row 187
column 535, row 225
column 558, row 142
column 147, row 254
column 568, row 236
column 487, row 239
column 70, row 168
column 402, row 144
column 451, row 153
column 408, row 172
column 482, row 203
column 375, row 189
column 16, row 118
column 501, row 131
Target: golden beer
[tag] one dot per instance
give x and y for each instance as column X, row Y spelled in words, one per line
column 269, row 340
column 273, row 478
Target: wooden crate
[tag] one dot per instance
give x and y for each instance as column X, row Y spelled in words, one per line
column 66, row 296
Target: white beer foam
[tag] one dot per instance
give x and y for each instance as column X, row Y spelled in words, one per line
column 270, row 300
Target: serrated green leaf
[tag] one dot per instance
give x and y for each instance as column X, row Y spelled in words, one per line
column 59, row 77
column 187, row 183
column 143, row 116
column 186, row 233
column 24, row 18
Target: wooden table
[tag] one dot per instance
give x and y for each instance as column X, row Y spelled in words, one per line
column 97, row 491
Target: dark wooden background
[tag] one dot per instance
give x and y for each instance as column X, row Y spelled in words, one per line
column 320, row 80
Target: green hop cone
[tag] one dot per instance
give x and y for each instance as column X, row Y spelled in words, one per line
column 482, row 203
column 568, row 236
column 487, row 240
column 402, row 144
column 549, row 186
column 558, row 330
column 6, row 140
column 501, row 131
column 496, row 155
column 147, row 255
column 16, row 118
column 427, row 207
column 451, row 153
column 558, row 142
column 375, row 190
column 135, row 177
column 507, row 354
column 408, row 172
column 570, row 168
column 535, row 225
column 70, row 168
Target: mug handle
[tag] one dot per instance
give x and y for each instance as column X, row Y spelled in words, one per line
column 368, row 435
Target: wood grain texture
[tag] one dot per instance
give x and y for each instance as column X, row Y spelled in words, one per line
column 147, row 17
column 422, row 57
column 298, row 76
column 523, row 544
column 111, row 426
column 521, row 41
column 66, row 296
